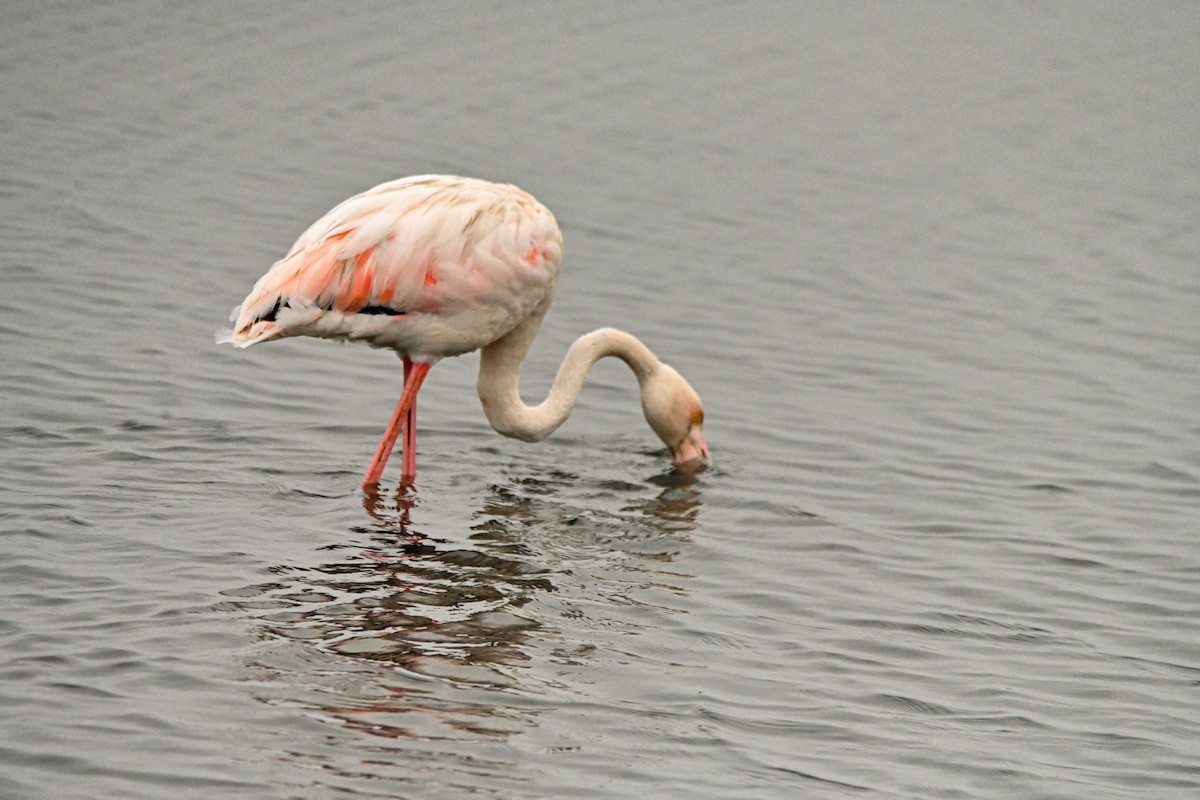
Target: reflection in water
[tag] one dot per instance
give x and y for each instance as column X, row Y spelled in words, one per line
column 677, row 506
column 408, row 638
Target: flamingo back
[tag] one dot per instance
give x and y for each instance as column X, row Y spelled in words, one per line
column 429, row 265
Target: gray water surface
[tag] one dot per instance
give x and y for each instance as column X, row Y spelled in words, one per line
column 935, row 270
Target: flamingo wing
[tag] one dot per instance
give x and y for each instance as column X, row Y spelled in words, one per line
column 455, row 260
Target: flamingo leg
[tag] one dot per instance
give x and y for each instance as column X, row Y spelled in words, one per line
column 416, row 377
column 408, row 450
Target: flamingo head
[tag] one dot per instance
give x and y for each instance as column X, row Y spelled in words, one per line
column 675, row 413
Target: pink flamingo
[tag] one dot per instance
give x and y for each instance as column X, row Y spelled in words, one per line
column 433, row 266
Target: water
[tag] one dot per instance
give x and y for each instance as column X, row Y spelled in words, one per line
column 933, row 270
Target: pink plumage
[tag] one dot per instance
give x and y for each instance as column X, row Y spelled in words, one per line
column 423, row 255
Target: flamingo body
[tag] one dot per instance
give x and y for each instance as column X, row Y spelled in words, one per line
column 433, row 266
column 430, row 266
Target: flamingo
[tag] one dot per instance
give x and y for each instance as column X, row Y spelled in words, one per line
column 433, row 266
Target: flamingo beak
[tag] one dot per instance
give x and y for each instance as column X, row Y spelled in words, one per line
column 693, row 450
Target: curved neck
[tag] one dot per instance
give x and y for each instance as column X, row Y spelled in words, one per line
column 500, row 375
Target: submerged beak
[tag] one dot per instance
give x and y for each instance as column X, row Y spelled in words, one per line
column 693, row 450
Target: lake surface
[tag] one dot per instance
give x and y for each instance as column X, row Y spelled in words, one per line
column 935, row 270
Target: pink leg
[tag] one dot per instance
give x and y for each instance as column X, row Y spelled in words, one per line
column 407, row 398
column 408, row 452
